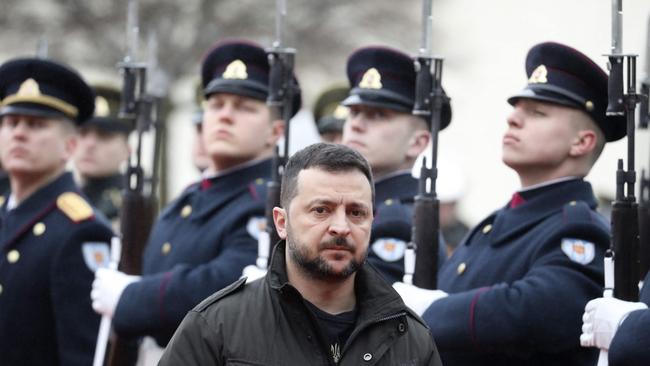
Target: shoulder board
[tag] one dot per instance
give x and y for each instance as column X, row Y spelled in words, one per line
column 2, row 200
column 74, row 206
column 576, row 211
column 224, row 292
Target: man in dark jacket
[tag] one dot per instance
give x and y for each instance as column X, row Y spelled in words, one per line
column 519, row 282
column 320, row 304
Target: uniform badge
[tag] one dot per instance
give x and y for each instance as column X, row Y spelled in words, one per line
column 255, row 226
column 389, row 249
column 74, row 206
column 235, row 70
column 29, row 88
column 539, row 75
column 371, row 79
column 96, row 255
column 579, row 251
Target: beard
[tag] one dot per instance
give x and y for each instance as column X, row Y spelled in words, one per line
column 318, row 267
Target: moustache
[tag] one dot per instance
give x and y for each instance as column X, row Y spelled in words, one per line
column 337, row 243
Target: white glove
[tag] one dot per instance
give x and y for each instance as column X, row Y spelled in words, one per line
column 107, row 289
column 601, row 319
column 418, row 299
column 253, row 272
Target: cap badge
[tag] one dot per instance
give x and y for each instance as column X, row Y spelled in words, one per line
column 29, row 88
column 539, row 75
column 341, row 112
column 101, row 107
column 236, row 70
column 371, row 79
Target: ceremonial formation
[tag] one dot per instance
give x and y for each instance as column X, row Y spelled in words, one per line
column 336, row 252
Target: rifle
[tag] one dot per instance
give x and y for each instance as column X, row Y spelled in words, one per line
column 138, row 198
column 282, row 88
column 625, row 227
column 644, row 191
column 421, row 257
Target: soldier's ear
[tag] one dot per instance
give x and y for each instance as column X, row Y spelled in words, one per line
column 418, row 142
column 280, row 220
column 583, row 143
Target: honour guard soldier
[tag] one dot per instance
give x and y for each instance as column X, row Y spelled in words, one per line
column 329, row 114
column 383, row 129
column 513, row 292
column 202, row 240
column 50, row 239
column 103, row 150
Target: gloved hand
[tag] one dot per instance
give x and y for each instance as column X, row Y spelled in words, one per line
column 107, row 289
column 418, row 299
column 253, row 272
column 601, row 319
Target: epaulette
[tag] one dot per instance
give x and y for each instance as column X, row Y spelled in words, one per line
column 576, row 211
column 226, row 291
column 74, row 207
column 2, row 200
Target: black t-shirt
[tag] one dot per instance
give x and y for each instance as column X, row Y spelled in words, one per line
column 335, row 328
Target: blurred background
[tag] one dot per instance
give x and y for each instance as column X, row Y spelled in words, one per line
column 484, row 44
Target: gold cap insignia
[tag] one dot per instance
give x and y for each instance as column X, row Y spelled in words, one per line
column 236, row 70
column 101, row 107
column 29, row 88
column 74, row 206
column 371, row 79
column 341, row 112
column 539, row 75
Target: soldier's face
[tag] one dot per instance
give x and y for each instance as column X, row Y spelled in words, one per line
column 99, row 153
column 383, row 136
column 327, row 225
column 238, row 129
column 34, row 145
column 539, row 136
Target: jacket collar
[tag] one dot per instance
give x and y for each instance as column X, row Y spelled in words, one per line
column 540, row 204
column 222, row 188
column 375, row 298
column 33, row 208
column 401, row 186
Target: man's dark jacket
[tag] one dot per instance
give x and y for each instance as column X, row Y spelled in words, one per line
column 266, row 322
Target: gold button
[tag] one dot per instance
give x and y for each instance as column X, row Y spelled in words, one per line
column 13, row 256
column 166, row 248
column 388, row 202
column 589, row 105
column 39, row 229
column 487, row 228
column 573, row 203
column 461, row 268
column 186, row 211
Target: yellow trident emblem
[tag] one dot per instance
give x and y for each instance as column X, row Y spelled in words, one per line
column 235, row 70
column 29, row 88
column 371, row 79
column 539, row 75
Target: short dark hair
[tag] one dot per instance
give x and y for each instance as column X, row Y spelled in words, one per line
column 326, row 156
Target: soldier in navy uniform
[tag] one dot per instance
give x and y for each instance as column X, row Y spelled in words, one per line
column 202, row 240
column 620, row 327
column 329, row 114
column 50, row 238
column 383, row 129
column 514, row 290
column 103, row 150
